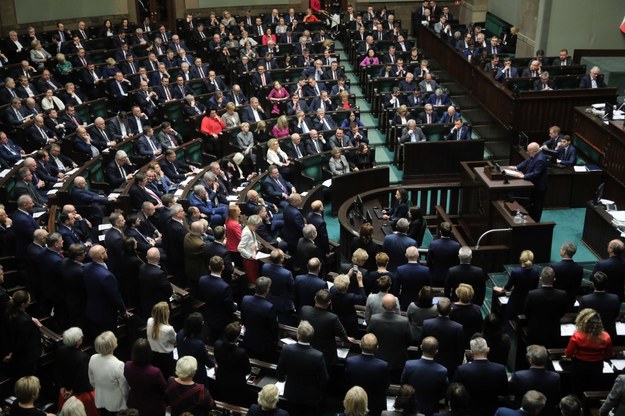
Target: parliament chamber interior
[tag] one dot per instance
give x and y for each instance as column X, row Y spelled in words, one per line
column 400, row 208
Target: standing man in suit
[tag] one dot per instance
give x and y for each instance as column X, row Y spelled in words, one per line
column 608, row 305
column 534, row 169
column 614, row 268
column 370, row 373
column 293, row 221
column 218, row 248
column 281, row 295
column 327, row 326
column 306, row 247
column 533, row 403
column 155, row 286
column 442, row 254
column 74, row 286
column 538, row 378
column 103, row 299
column 395, row 245
column 304, row 393
column 393, row 332
column 427, row 377
column 307, row 285
column 217, row 294
column 485, row 381
column 24, row 225
column 466, row 273
column 568, row 274
column 259, row 317
column 315, row 217
column 449, row 335
column 543, row 309
column 114, row 242
column 173, row 242
column 410, row 278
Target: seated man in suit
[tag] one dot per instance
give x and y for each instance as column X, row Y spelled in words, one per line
column 533, row 71
column 411, row 133
column 119, row 170
column 506, row 71
column 275, row 189
column 254, row 112
column 175, row 169
column 593, row 79
column 543, row 83
column 567, row 155
column 450, row 116
column 147, row 100
column 39, row 135
column 9, row 151
column 301, row 124
column 139, row 193
column 428, row 84
column 148, row 145
column 459, row 131
column 98, row 204
column 118, row 89
column 25, row 185
column 99, row 135
column 323, row 122
column 439, row 98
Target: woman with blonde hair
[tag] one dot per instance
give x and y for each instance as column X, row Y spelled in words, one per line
column 281, row 129
column 106, row 374
column 260, row 133
column 38, row 55
column 248, row 247
column 267, row 401
column 110, row 69
column 73, row 407
column 521, row 281
column 466, row 313
column 588, row 347
column 277, row 156
column 162, row 339
column 63, row 66
column 355, row 402
column 27, row 392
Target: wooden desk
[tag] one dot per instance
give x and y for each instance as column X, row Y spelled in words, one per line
column 425, row 159
column 525, row 236
column 598, row 230
column 351, row 184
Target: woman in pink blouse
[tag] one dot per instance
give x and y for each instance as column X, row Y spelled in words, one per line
column 276, row 96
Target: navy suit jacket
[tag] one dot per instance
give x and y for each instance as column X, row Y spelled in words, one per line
column 485, row 381
column 535, row 170
column 429, row 380
column 81, row 196
column 103, row 297
column 442, row 254
column 52, row 283
column 272, row 192
column 543, row 309
column 371, row 374
column 450, row 339
column 465, row 273
column 217, row 294
column 261, row 326
column 322, row 241
column 248, row 115
column 614, row 268
column 281, row 294
column 568, row 278
column 113, row 240
column 568, row 156
column 293, row 225
column 539, row 379
column 305, row 288
column 395, row 246
column 298, row 359
column 24, row 226
column 409, row 280
column 7, row 155
column 465, row 133
column 586, row 82
column 155, row 287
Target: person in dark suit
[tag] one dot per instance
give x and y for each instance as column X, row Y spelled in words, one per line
column 449, row 335
column 614, row 268
column 28, row 184
column 293, row 221
column 119, row 170
column 9, row 151
column 50, row 266
column 281, row 295
column 593, row 79
column 568, row 274
column 254, row 112
column 543, row 309
column 410, row 278
column 103, row 298
column 113, row 239
column 315, row 217
column 484, row 380
column 606, row 304
column 459, row 131
column 24, row 225
column 294, row 148
column 393, row 333
column 370, row 373
column 217, row 294
column 567, row 155
column 306, row 247
column 506, row 71
column 303, row 393
column 442, row 254
column 466, row 273
column 71, row 272
column 543, row 83
column 155, row 286
column 259, row 317
column 533, row 403
column 233, row 366
column 173, row 242
column 327, row 326
column 218, row 248
column 427, row 377
column 395, row 245
column 533, row 169
column 307, row 285
column 175, row 169
column 538, row 378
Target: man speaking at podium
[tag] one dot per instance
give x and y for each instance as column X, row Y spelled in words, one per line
column 533, row 169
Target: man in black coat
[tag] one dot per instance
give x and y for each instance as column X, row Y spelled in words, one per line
column 173, row 242
column 568, row 273
column 306, row 247
column 449, row 335
column 155, row 286
column 303, row 393
column 218, row 248
column 410, row 278
column 606, row 304
column 466, row 273
column 614, row 268
column 327, row 326
column 71, row 273
column 315, row 217
column 217, row 294
column 261, row 324
column 543, row 309
column 393, row 333
column 485, row 381
column 114, row 240
column 442, row 254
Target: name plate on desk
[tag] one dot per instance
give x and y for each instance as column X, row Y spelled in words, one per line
column 493, row 173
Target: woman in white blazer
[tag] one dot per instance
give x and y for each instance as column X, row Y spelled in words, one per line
column 106, row 375
column 248, row 247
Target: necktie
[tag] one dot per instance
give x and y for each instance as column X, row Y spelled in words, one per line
column 139, row 125
column 459, row 132
column 280, row 183
column 201, row 71
column 325, row 123
column 10, row 149
column 173, row 144
column 262, row 78
column 77, row 98
column 151, row 144
column 122, row 173
column 202, row 35
column 74, row 120
column 174, row 166
column 84, row 61
column 44, row 136
column 121, row 89
column 297, row 151
column 19, row 115
column 167, row 93
column 94, row 76
column 165, row 37
column 153, row 195
column 507, row 73
column 13, row 92
column 104, row 135
column 305, row 128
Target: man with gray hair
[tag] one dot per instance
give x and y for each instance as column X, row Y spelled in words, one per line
column 466, row 273
column 259, row 317
column 173, row 243
column 395, row 245
column 119, row 170
column 306, row 247
column 304, row 370
column 544, row 307
column 614, row 268
column 411, row 133
column 537, row 377
column 484, row 380
column 568, row 273
column 50, row 262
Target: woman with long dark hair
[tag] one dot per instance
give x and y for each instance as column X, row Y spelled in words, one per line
column 23, row 337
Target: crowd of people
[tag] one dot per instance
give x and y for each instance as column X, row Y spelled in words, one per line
column 87, row 285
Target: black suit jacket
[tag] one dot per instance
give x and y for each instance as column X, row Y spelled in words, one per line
column 539, row 379
column 295, row 360
column 450, row 339
column 465, row 273
column 485, row 381
column 568, row 278
column 306, row 250
column 215, row 248
column 614, row 268
column 261, row 326
column 74, row 287
column 155, row 287
column 442, row 255
column 543, row 309
column 607, row 305
column 327, row 326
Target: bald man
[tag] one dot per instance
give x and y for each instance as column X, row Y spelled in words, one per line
column 410, row 278
column 155, row 286
column 315, row 217
column 533, row 169
column 104, row 299
column 614, row 268
column 393, row 333
column 370, row 373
